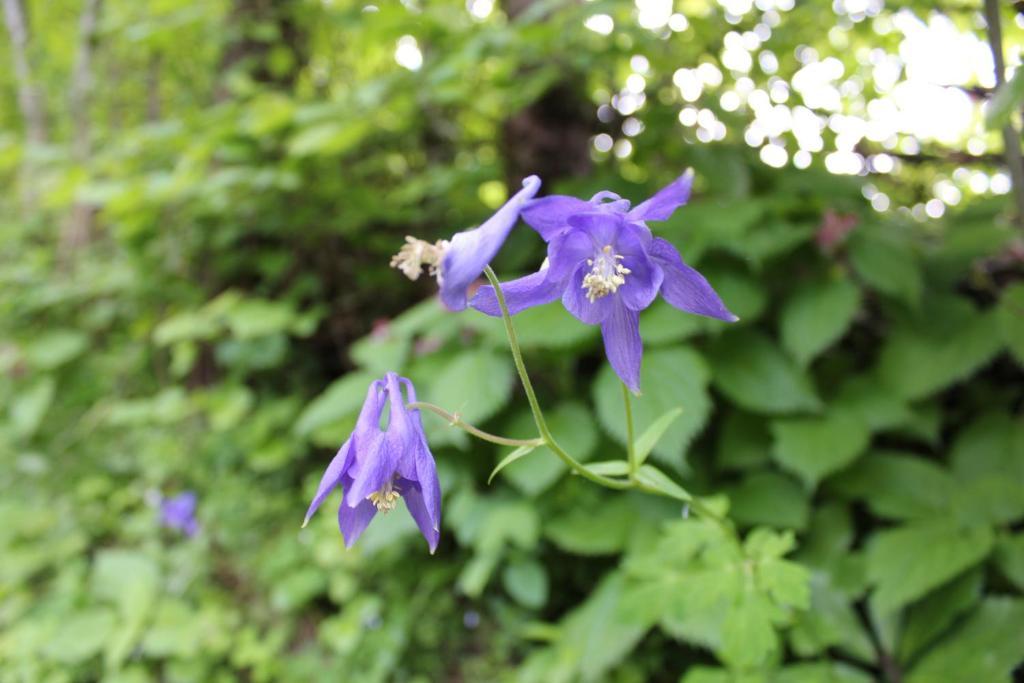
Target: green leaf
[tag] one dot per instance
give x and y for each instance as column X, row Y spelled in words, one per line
column 602, row 529
column 898, row 486
column 1010, row 312
column 662, row 323
column 670, row 378
column 830, row 622
column 55, row 348
column 331, row 138
column 817, row 316
column 908, row 562
column 986, row 648
column 474, row 385
column 751, row 371
column 254, row 318
column 609, row 468
column 929, row 618
column 527, row 582
column 653, row 478
column 28, row 408
column 81, row 636
column 509, row 459
column 1010, row 558
column 1007, row 99
column 769, row 498
column 949, row 345
column 339, row 400
column 550, row 327
column 873, row 402
column 814, row 447
column 649, row 439
column 748, row 636
column 990, row 446
column 743, row 442
column 887, row 264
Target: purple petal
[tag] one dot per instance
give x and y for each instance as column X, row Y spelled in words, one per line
column 471, row 250
column 645, row 277
column 430, row 486
column 352, row 521
column 416, row 503
column 526, row 292
column 568, row 250
column 549, row 216
column 375, row 466
column 332, row 477
column 575, row 300
column 623, row 346
column 684, row 287
column 601, row 228
column 665, row 201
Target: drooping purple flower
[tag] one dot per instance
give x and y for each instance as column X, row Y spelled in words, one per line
column 606, row 266
column 458, row 262
column 179, row 513
column 378, row 465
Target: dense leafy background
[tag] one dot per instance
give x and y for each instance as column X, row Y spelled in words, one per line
column 213, row 326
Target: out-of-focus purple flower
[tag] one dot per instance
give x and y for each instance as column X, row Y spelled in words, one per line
column 606, row 266
column 179, row 513
column 376, row 466
column 458, row 262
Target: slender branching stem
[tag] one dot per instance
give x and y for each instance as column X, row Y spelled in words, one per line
column 538, row 415
column 456, row 421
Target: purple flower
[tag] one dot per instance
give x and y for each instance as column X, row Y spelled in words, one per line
column 179, row 513
column 606, row 266
column 376, row 466
column 458, row 262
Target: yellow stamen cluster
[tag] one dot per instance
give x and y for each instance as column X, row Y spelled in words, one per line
column 606, row 274
column 416, row 253
column 386, row 499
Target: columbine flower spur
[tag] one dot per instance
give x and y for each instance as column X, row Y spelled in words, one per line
column 378, row 466
column 606, row 266
column 458, row 262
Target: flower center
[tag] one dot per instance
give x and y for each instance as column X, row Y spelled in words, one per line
column 385, row 499
column 606, row 274
column 416, row 253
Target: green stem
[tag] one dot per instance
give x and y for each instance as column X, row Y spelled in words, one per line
column 538, row 415
column 634, row 465
column 456, row 421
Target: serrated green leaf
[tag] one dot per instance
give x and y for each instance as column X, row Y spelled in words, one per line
column 769, row 498
column 474, row 385
column 670, row 378
column 888, row 265
column 830, row 622
column 751, row 371
column 898, row 485
column 951, row 345
column 817, row 316
column 748, row 636
column 986, row 648
column 744, row 441
column 1010, row 558
column 649, row 439
column 593, row 530
column 814, row 447
column 927, row 620
column 990, row 446
column 341, row 399
column 907, row 562
column 509, row 459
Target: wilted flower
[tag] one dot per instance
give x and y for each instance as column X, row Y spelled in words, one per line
column 458, row 262
column 606, row 266
column 376, row 466
column 179, row 513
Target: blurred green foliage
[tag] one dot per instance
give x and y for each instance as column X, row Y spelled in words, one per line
column 213, row 326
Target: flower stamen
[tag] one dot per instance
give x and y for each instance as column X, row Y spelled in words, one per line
column 386, row 499
column 606, row 274
column 417, row 253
